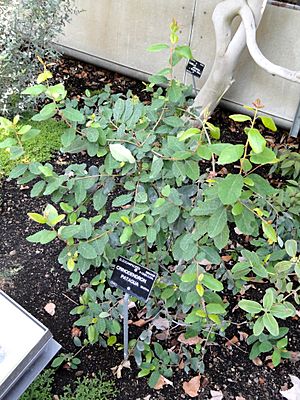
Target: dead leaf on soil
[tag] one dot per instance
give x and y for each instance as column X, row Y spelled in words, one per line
column 226, row 258
column 240, row 398
column 192, row 386
column 161, row 323
column 163, row 335
column 139, row 323
column 294, row 392
column 257, row 361
column 243, row 336
column 117, row 370
column 295, row 356
column 75, row 332
column 50, row 308
column 232, row 342
column 190, row 341
column 216, row 395
column 162, row 381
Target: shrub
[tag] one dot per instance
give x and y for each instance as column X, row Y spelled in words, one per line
column 161, row 195
column 27, row 29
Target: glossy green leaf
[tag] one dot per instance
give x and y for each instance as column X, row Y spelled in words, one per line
column 230, row 188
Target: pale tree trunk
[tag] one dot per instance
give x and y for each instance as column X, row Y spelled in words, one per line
column 229, row 48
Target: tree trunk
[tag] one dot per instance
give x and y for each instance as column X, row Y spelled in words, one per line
column 229, row 49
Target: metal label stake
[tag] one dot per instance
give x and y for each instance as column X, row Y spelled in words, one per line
column 134, row 280
column 125, row 325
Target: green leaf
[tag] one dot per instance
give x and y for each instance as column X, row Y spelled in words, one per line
column 276, row 357
column 271, row 324
column 268, row 123
column 250, row 306
column 112, row 340
column 231, row 153
column 37, row 188
column 270, row 232
column 240, row 117
column 156, row 167
column 174, row 92
column 67, row 232
column 37, row 218
column 121, row 153
column 267, row 156
column 187, row 134
column 92, row 333
column 184, row 51
column 42, row 237
column 122, row 200
column 192, row 170
column 221, row 240
column 73, row 115
column 215, row 308
column 217, row 222
column 92, row 134
column 18, row 171
column 44, row 76
column 230, row 188
column 7, row 143
column 174, row 122
column 126, row 234
column 291, row 247
column 154, row 377
column 258, row 327
column 268, row 299
column 157, row 47
column 48, row 111
column 99, row 199
column 35, row 90
column 211, row 283
column 86, row 250
column 281, row 311
column 256, row 140
column 30, row 134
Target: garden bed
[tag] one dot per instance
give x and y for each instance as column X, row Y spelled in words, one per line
column 31, row 274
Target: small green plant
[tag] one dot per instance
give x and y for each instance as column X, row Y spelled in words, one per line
column 41, row 387
column 33, row 148
column 68, row 359
column 276, row 344
column 97, row 387
column 94, row 388
column 289, row 164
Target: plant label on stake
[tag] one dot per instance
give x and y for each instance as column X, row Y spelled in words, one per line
column 134, row 280
column 195, row 68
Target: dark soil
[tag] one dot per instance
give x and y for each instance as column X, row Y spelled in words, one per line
column 31, row 275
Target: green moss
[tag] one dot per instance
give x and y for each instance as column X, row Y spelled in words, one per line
column 38, row 149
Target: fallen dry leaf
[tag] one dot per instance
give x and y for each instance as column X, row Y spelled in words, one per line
column 163, row 335
column 50, row 308
column 295, row 356
column 75, row 332
column 226, row 258
column 190, row 341
column 216, row 395
column 191, row 387
column 257, row 361
column 232, row 342
column 294, row 392
column 162, row 381
column 140, row 323
column 117, row 370
column 243, row 336
column 161, row 323
column 240, row 398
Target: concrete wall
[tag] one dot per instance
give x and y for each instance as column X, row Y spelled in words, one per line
column 116, row 33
